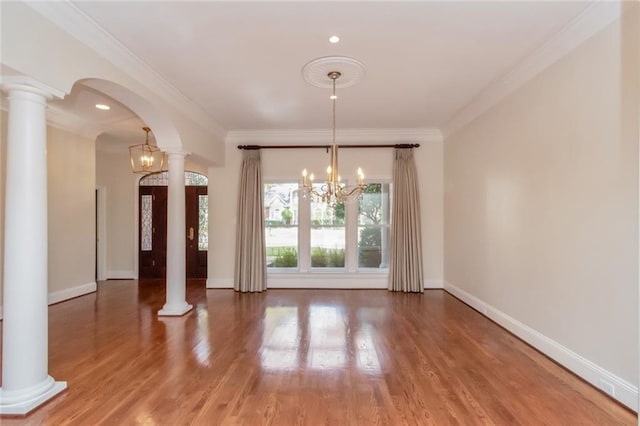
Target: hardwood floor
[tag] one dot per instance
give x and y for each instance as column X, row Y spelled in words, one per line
column 284, row 357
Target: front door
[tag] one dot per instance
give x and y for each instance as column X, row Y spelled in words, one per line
column 153, row 227
column 153, row 232
column 196, row 209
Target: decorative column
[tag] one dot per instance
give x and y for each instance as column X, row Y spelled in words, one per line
column 25, row 380
column 176, row 304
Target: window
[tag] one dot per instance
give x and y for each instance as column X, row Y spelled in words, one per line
column 281, row 224
column 306, row 235
column 373, row 226
column 327, row 235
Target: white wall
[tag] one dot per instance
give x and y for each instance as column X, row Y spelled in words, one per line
column 71, row 214
column 288, row 164
column 113, row 172
column 541, row 208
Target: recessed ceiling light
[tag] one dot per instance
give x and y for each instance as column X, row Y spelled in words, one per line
column 334, row 39
column 103, row 107
column 333, row 97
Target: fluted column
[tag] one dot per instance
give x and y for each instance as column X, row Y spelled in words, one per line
column 25, row 380
column 176, row 303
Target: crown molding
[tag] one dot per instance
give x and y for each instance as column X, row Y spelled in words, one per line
column 353, row 136
column 592, row 20
column 79, row 25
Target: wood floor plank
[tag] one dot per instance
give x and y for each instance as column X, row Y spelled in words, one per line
column 301, row 357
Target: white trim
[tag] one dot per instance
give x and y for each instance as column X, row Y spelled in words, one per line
column 329, row 280
column 121, row 275
column 78, row 24
column 624, row 392
column 593, row 19
column 70, row 293
column 355, row 136
column 219, row 283
column 432, row 284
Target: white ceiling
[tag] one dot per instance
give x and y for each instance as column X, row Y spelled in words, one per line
column 242, row 61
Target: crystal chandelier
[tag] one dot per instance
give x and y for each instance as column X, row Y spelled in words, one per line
column 146, row 158
column 333, row 191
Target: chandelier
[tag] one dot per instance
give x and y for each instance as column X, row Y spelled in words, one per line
column 146, row 158
column 333, row 191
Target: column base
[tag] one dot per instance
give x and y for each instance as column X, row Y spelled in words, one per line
column 24, row 400
column 174, row 311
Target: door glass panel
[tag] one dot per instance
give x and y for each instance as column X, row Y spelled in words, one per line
column 155, row 179
column 203, row 222
column 146, row 225
column 162, row 179
column 195, row 179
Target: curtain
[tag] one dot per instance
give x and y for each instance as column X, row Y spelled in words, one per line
column 251, row 262
column 405, row 266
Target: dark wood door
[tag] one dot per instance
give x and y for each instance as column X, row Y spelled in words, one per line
column 153, row 232
column 196, row 202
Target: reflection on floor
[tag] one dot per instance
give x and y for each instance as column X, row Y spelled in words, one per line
column 335, row 357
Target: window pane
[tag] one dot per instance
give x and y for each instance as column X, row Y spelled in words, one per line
column 281, row 224
column 203, row 222
column 325, row 214
column 373, row 246
column 370, row 206
column 327, row 247
column 327, row 234
column 373, row 226
column 146, row 227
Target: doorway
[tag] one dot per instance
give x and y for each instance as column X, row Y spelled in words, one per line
column 152, row 229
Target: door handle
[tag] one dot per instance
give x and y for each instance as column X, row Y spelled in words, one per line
column 191, row 233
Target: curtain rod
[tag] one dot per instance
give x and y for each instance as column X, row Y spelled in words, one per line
column 400, row 145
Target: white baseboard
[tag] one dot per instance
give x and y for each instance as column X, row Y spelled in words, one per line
column 121, row 275
column 218, row 283
column 70, row 293
column 623, row 391
column 329, row 280
column 432, row 284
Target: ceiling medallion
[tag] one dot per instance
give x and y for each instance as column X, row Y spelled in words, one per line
column 315, row 72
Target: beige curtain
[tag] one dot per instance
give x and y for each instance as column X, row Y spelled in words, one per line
column 251, row 262
column 405, row 266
